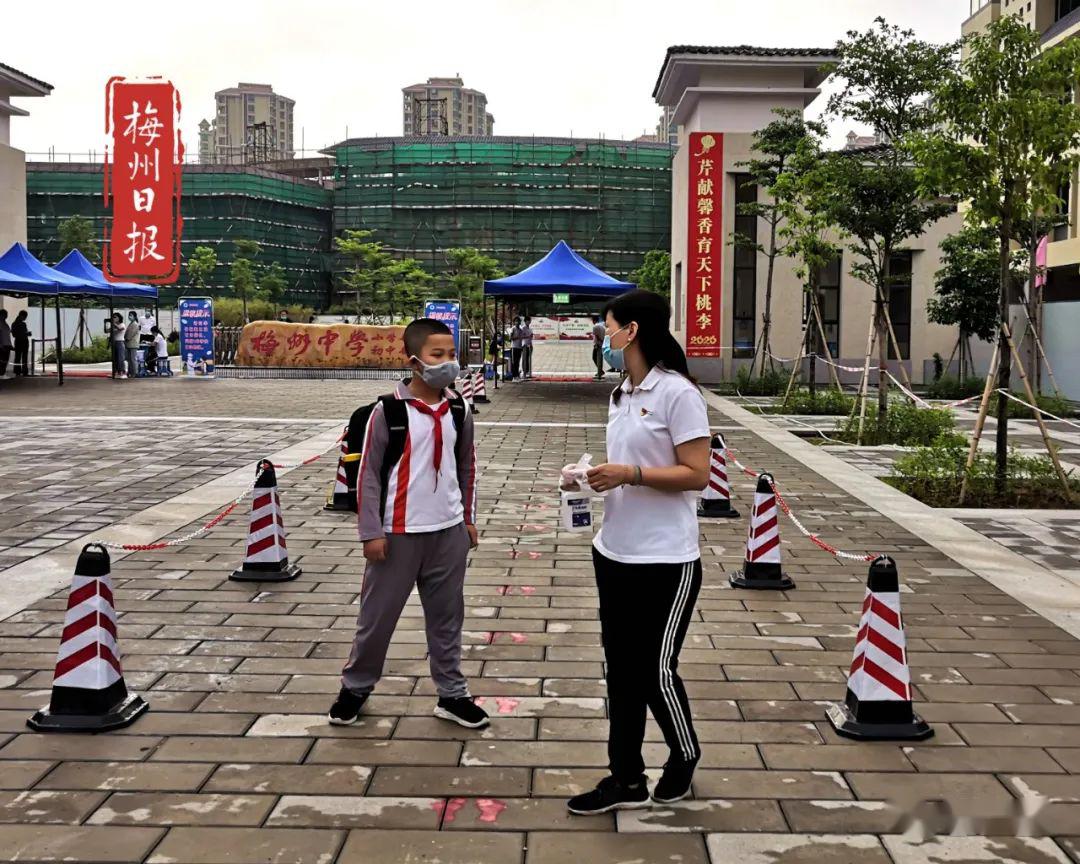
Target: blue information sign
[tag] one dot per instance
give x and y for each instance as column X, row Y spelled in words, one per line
column 197, row 336
column 447, row 311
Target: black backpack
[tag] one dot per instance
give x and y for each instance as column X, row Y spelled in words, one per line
column 397, row 421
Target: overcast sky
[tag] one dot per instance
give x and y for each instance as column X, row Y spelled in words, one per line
column 548, row 67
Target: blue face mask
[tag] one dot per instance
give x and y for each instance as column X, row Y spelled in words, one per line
column 613, row 356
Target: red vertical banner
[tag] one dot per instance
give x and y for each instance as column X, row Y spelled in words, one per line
column 143, row 170
column 704, row 256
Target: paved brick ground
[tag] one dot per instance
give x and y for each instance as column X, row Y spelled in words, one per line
column 236, row 764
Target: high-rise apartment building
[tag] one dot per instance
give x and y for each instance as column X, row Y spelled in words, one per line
column 251, row 124
column 445, row 106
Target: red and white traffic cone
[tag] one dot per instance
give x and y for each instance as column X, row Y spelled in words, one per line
column 715, row 500
column 761, row 567
column 467, row 391
column 480, row 387
column 878, row 702
column 340, row 498
column 89, row 693
column 267, row 558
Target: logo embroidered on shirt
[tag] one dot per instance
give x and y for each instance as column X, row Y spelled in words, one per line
column 645, row 412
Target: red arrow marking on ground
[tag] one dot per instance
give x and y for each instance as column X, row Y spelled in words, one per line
column 489, row 809
column 479, row 700
column 518, row 638
column 534, row 555
column 528, row 589
column 506, row 704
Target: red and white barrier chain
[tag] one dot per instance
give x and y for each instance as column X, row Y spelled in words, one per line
column 198, row 532
column 814, row 538
column 310, row 459
column 1014, row 398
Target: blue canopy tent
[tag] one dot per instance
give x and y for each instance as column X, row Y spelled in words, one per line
column 78, row 265
column 22, row 273
column 561, row 271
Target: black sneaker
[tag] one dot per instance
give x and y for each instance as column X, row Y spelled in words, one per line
column 674, row 783
column 610, row 795
column 346, row 708
column 463, row 711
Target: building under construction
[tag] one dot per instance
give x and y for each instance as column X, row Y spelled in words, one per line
column 511, row 198
column 289, row 217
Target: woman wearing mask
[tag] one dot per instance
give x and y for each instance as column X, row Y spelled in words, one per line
column 646, row 556
column 116, row 339
column 131, row 343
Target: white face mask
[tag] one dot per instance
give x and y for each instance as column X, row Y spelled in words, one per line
column 440, row 375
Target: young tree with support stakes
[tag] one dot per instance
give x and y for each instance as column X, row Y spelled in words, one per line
column 1009, row 136
column 809, row 238
column 776, row 146
column 886, row 77
column 967, row 289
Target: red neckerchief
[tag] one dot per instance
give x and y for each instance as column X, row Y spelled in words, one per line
column 436, row 414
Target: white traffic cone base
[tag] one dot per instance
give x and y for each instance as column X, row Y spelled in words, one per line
column 877, row 706
column 89, row 693
column 762, row 570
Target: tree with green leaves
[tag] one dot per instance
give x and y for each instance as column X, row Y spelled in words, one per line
column 966, row 288
column 273, row 282
column 77, row 232
column 775, row 147
column 367, row 278
column 1008, row 136
column 654, row 274
column 407, row 285
column 201, row 265
column 886, row 76
column 469, row 268
column 242, row 271
column 806, row 234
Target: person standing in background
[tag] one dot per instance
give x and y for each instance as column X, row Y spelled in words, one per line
column 6, row 344
column 131, row 343
column 526, row 348
column 515, row 349
column 146, row 327
column 20, row 335
column 598, row 332
column 116, row 339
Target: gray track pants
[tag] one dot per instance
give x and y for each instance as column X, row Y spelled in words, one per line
column 435, row 563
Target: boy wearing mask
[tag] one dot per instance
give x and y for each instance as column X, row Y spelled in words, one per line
column 417, row 522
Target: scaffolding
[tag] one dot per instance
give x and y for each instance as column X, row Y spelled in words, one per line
column 511, row 198
column 290, row 218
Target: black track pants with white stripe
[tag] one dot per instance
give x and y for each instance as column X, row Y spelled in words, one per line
column 644, row 612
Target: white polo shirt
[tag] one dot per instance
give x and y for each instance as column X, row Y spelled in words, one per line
column 643, row 525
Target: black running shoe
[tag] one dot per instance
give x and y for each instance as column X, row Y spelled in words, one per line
column 674, row 783
column 463, row 711
column 610, row 795
column 346, row 708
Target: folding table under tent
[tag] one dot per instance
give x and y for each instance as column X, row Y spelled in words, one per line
column 561, row 271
